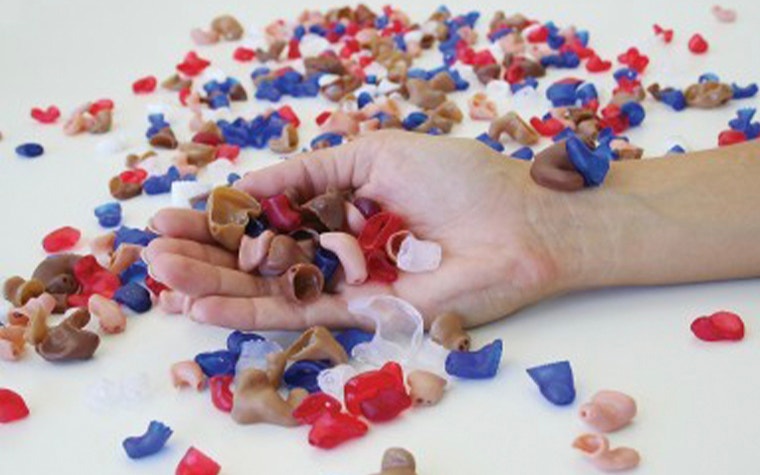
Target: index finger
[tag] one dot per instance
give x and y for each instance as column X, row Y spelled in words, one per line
column 311, row 173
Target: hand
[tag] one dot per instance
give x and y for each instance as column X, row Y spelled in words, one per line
column 480, row 206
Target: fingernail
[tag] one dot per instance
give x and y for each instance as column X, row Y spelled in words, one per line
column 144, row 256
column 151, row 227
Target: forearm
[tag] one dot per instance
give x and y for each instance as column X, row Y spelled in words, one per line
column 678, row 219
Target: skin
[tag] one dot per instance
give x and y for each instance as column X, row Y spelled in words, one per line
column 507, row 241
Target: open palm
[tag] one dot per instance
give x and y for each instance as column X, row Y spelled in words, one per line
column 478, row 205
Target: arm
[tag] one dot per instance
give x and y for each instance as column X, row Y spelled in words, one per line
column 679, row 219
column 507, row 242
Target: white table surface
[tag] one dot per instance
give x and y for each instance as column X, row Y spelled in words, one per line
column 699, row 410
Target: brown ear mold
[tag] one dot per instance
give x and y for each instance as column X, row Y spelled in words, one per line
column 514, row 126
column 229, row 211
column 164, row 138
column 553, row 169
column 708, row 95
column 317, row 343
column 198, row 154
column 122, row 190
column 283, row 253
column 287, row 142
column 447, row 331
column 68, row 341
column 302, row 283
column 255, row 400
column 18, row 291
column 57, row 274
column 423, row 95
column 227, row 27
column 329, row 208
column 398, row 461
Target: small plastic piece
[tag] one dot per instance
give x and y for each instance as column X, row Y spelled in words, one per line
column 18, row 291
column 303, row 374
column 329, row 209
column 592, row 166
column 378, row 229
column 379, row 267
column 366, row 206
column 280, row 213
column 608, row 411
column 447, row 331
column 398, row 329
column 378, row 395
column 314, row 406
column 595, row 64
column 108, row 214
column 481, row 364
column 195, row 462
column 236, row 339
column 12, row 406
column 221, row 394
column 332, row 429
column 398, row 461
column 720, row 326
column 229, row 211
column 188, row 374
column 597, row 448
column 149, row 443
column 29, row 150
column 349, row 253
column 332, row 380
column 723, row 15
column 110, row 317
column 254, row 354
column 327, row 262
column 61, row 239
column 46, row 116
column 425, row 388
column 666, row 34
column 145, row 85
column 697, row 44
column 256, row 400
column 352, row 337
column 12, row 343
column 317, row 343
column 555, row 380
column 134, row 296
column 68, row 341
column 216, row 363
column 416, row 255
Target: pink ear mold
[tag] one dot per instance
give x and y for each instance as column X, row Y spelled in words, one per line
column 12, row 342
column 253, row 250
column 596, row 448
column 109, row 314
column 188, row 374
column 425, row 388
column 608, row 411
column 355, row 220
column 349, row 253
